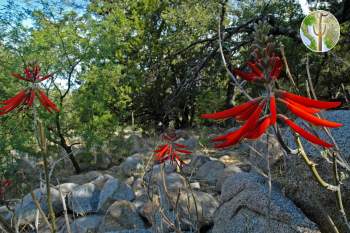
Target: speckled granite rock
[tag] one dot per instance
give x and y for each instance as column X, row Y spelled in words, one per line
column 244, row 208
column 341, row 135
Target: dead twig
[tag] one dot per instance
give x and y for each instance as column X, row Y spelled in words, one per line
column 43, row 215
column 65, row 212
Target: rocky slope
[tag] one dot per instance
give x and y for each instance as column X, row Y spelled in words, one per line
column 216, row 192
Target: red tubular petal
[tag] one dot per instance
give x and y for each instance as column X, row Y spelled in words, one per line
column 160, row 148
column 247, row 112
column 28, row 73
column 31, row 98
column 18, row 96
column 254, row 118
column 164, row 150
column 232, row 112
column 231, row 139
column 180, row 145
column 48, row 102
column 260, row 129
column 166, row 137
column 170, row 151
column 172, row 156
column 14, row 103
column 44, row 103
column 311, row 118
column 184, row 151
column 44, row 78
column 234, row 137
column 169, row 138
column 305, row 134
column 245, row 75
column 273, row 110
column 306, row 109
column 220, row 138
column 309, row 102
column 18, row 76
column 277, row 67
column 256, row 69
column 36, row 71
column 162, row 160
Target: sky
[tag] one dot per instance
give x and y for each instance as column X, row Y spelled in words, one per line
column 304, row 6
column 33, row 4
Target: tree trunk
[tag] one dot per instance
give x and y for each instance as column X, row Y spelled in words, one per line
column 65, row 146
column 185, row 118
column 75, row 163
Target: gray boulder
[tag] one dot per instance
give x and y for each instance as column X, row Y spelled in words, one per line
column 61, row 226
column 132, row 164
column 103, row 161
column 341, row 134
column 132, row 231
column 66, row 188
column 5, row 213
column 25, row 210
column 137, row 184
column 87, row 224
column 82, row 178
column 121, row 215
column 228, row 171
column 192, row 209
column 196, row 162
column 84, row 199
column 191, row 142
column 114, row 190
column 141, row 199
column 155, row 173
column 245, row 208
column 138, row 144
column 257, row 155
column 300, row 186
column 210, row 172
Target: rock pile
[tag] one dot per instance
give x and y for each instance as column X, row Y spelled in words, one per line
column 207, row 195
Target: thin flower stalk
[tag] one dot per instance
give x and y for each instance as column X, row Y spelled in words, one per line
column 24, row 100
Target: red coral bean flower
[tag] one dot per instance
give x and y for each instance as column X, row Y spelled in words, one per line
column 262, row 70
column 26, row 97
column 4, row 184
column 170, row 151
column 260, row 113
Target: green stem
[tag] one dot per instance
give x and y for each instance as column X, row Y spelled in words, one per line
column 338, row 193
column 313, row 168
column 43, row 145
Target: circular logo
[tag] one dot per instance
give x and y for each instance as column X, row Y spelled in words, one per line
column 320, row 31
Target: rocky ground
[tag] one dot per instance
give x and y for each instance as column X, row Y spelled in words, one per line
column 216, row 192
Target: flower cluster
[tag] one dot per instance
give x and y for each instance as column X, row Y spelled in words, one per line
column 27, row 96
column 170, row 151
column 271, row 64
column 260, row 113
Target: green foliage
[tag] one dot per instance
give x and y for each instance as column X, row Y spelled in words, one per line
column 150, row 62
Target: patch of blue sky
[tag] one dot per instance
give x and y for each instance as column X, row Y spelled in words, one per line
column 57, row 7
